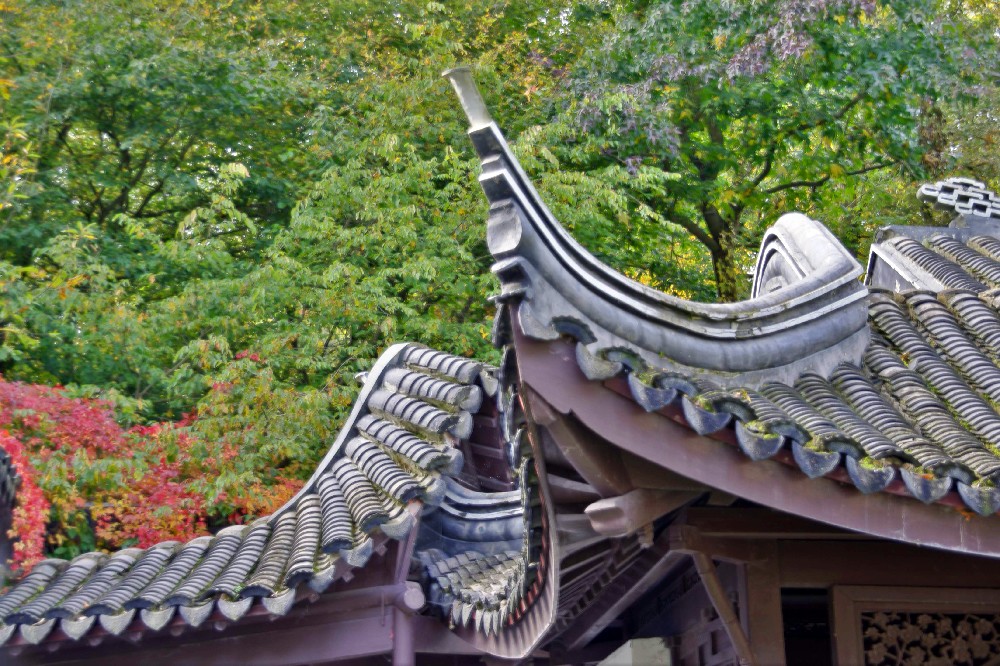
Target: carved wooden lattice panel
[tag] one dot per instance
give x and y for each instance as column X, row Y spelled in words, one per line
column 915, row 625
column 937, row 639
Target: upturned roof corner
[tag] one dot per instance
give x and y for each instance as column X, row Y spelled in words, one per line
column 807, row 312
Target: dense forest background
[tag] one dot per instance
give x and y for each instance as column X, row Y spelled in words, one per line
column 213, row 214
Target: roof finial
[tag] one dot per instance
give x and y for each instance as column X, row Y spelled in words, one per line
column 468, row 94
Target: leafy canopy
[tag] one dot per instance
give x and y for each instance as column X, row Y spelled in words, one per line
column 214, row 214
column 746, row 108
column 153, row 260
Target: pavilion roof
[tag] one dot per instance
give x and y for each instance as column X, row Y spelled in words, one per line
column 890, row 385
column 401, row 441
column 894, row 379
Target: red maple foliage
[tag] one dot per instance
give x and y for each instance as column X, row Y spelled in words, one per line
column 31, row 511
column 159, row 505
column 247, row 354
column 88, row 483
column 51, row 421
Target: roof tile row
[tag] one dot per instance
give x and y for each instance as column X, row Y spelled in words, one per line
column 475, row 588
column 922, row 406
column 392, row 452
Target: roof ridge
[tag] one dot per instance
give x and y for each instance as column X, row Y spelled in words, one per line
column 563, row 288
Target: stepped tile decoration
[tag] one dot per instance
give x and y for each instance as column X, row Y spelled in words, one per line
column 964, row 196
column 391, row 457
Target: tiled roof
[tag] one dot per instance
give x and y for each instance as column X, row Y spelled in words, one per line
column 478, row 559
column 475, row 588
column 912, row 395
column 921, row 405
column 803, row 271
column 398, row 444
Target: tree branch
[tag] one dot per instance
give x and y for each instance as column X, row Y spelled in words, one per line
column 152, row 192
column 329, row 339
column 162, row 211
column 850, row 104
column 766, row 169
column 671, row 215
column 773, row 147
column 12, row 56
column 820, row 181
column 714, row 220
column 155, row 189
column 691, row 227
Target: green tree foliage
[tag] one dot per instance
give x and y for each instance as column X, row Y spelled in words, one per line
column 759, row 107
column 129, row 105
column 211, row 295
column 226, row 209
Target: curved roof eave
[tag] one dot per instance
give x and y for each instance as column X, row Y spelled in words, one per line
column 812, row 317
column 391, row 456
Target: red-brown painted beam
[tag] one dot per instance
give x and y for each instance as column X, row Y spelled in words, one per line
column 759, row 523
column 278, row 644
column 826, row 563
column 287, row 646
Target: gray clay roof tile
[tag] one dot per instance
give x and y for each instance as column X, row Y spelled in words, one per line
column 474, row 587
column 964, row 196
column 219, row 553
column 949, row 273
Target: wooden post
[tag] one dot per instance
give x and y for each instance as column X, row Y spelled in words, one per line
column 767, row 632
column 408, row 602
column 403, row 650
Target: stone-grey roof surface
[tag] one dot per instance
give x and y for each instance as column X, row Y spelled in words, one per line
column 477, row 557
column 920, row 406
column 909, row 391
column 565, row 289
column 390, row 457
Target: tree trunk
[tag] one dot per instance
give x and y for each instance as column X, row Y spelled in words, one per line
column 730, row 282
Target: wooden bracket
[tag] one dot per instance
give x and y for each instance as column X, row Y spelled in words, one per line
column 626, row 514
